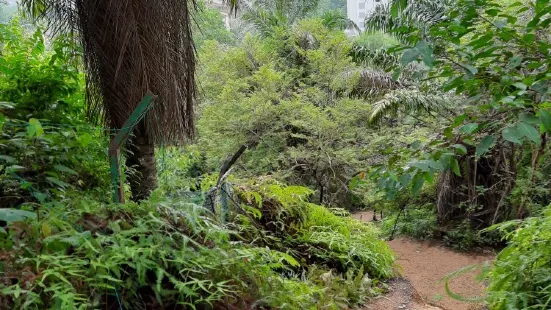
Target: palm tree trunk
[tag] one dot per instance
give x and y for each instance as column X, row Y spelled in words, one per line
column 140, row 155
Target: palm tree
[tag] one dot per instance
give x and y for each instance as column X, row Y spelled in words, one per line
column 132, row 47
column 264, row 15
column 419, row 14
column 337, row 20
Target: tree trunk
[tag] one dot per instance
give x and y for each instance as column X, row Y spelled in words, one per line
column 140, row 155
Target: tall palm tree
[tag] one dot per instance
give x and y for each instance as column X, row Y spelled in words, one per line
column 132, row 47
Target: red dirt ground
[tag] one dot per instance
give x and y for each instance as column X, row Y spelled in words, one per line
column 424, row 264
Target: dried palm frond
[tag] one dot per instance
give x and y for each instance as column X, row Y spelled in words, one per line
column 132, row 47
column 408, row 101
column 380, row 57
column 369, row 82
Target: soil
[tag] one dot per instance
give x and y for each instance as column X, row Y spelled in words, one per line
column 401, row 296
column 423, row 265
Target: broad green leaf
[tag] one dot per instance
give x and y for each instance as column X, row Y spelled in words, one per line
column 520, row 85
column 484, row 145
column 15, row 215
column 426, row 51
column 84, row 139
column 529, row 131
column 455, row 167
column 469, row 128
column 409, row 56
column 461, row 149
column 545, row 118
column 65, row 169
column 7, row 158
column 2, row 121
column 470, row 69
column 34, row 128
column 416, row 145
column 422, row 165
column 429, row 177
column 417, row 184
column 14, row 168
column 58, row 182
column 529, row 118
column 512, row 134
column 541, row 5
column 397, row 7
column 41, row 197
column 514, row 61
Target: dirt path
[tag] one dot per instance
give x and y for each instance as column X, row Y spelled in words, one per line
column 424, row 264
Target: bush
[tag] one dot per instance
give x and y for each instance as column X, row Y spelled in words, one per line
column 463, row 237
column 520, row 276
column 419, row 223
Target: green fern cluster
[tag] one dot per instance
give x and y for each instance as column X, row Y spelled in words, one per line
column 314, row 235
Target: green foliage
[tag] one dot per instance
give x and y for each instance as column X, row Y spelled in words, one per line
column 45, row 147
column 464, row 238
column 519, row 278
column 40, row 78
column 266, row 16
column 419, row 223
column 314, row 234
column 209, row 25
column 164, row 253
column 288, row 97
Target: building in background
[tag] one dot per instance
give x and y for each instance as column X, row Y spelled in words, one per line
column 357, row 10
column 224, row 9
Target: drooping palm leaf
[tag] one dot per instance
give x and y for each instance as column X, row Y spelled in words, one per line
column 266, row 14
column 339, row 21
column 408, row 101
column 132, row 47
column 416, row 13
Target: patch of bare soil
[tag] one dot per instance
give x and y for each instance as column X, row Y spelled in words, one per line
column 424, row 265
column 365, row 216
column 401, row 296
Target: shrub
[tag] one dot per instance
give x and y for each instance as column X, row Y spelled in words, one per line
column 314, row 235
column 520, row 276
column 418, row 223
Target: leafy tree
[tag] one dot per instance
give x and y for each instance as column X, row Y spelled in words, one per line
column 300, row 104
column 496, row 61
column 209, row 25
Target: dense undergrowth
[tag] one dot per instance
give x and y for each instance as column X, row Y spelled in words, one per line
column 443, row 126
column 281, row 253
